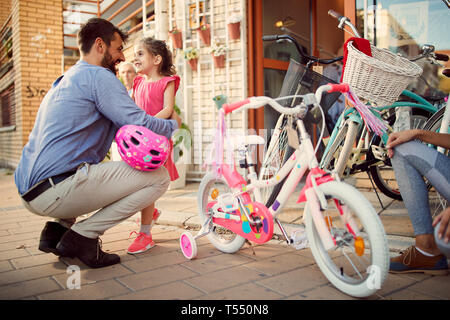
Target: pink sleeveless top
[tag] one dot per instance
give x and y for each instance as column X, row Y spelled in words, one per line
column 150, row 97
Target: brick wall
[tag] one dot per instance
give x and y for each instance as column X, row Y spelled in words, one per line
column 37, row 51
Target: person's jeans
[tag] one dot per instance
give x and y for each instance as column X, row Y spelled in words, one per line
column 412, row 161
column 113, row 188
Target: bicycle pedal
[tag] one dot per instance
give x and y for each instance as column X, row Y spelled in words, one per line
column 379, row 153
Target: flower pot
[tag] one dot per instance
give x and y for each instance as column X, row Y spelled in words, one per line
column 205, row 35
column 193, row 63
column 177, row 40
column 234, row 30
column 219, row 61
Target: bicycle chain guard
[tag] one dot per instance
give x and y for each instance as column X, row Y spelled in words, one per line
column 236, row 221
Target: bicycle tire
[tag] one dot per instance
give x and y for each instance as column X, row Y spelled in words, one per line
column 436, row 201
column 434, row 123
column 221, row 238
column 376, row 254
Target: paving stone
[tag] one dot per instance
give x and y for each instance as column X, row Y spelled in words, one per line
column 280, row 263
column 175, row 290
column 20, row 275
column 100, row 290
column 28, row 288
column 324, row 292
column 153, row 261
column 408, row 294
column 5, row 266
column 295, row 281
column 156, row 277
column 248, row 291
column 437, row 286
column 36, row 260
column 216, row 262
column 223, row 279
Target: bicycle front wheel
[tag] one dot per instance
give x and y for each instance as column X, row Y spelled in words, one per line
column 357, row 266
column 220, row 237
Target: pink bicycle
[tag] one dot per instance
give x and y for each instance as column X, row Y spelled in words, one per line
column 345, row 234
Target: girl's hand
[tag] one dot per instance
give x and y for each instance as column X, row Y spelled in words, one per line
column 175, row 116
column 397, row 138
column 444, row 228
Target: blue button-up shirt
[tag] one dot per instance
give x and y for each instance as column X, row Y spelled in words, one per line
column 77, row 121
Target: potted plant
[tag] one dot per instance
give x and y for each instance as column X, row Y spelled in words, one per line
column 234, row 26
column 205, row 34
column 191, row 55
column 218, row 51
column 182, row 141
column 176, row 37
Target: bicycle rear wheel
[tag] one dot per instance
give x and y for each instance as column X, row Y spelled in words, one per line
column 382, row 173
column 357, row 267
column 436, row 201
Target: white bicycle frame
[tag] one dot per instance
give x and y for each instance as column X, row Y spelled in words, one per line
column 304, row 158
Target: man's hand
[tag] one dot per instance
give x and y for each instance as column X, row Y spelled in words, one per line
column 176, row 117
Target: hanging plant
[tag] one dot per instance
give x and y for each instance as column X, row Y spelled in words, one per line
column 234, row 26
column 191, row 55
column 205, row 34
column 177, row 38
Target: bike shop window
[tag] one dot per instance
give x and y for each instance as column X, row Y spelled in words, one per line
column 403, row 27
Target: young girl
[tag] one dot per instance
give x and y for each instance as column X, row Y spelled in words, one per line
column 154, row 91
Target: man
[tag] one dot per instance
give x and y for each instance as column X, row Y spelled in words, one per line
column 60, row 175
column 127, row 73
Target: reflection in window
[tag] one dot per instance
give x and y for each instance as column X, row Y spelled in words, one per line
column 404, row 26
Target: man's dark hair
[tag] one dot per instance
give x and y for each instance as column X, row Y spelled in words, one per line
column 97, row 28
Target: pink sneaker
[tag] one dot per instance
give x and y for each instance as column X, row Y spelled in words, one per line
column 141, row 244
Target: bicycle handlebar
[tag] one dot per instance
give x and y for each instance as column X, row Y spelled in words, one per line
column 334, row 14
column 299, row 48
column 257, row 102
column 343, row 20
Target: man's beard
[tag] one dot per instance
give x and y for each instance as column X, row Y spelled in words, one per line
column 108, row 63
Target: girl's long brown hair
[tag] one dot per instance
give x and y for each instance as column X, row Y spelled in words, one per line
column 159, row 47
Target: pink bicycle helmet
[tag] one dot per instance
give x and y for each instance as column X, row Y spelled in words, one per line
column 141, row 148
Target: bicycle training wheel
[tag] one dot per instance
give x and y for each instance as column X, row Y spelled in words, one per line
column 222, row 238
column 356, row 266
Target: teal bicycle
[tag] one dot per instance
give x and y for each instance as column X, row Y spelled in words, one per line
column 351, row 148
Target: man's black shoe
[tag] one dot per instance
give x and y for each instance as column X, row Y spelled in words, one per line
column 50, row 236
column 88, row 250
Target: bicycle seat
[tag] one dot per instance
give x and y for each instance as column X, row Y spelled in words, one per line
column 240, row 142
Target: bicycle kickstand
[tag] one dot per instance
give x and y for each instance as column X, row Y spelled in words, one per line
column 376, row 192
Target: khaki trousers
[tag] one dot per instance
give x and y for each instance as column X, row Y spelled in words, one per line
column 113, row 188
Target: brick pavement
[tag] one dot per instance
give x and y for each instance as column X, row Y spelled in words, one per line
column 272, row 271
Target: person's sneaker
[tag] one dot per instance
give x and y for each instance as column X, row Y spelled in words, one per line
column 50, row 236
column 412, row 260
column 156, row 215
column 142, row 243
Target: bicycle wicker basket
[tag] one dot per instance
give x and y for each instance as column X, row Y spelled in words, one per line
column 379, row 79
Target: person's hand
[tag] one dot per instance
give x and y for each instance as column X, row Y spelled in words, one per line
column 444, row 228
column 397, row 138
column 176, row 117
